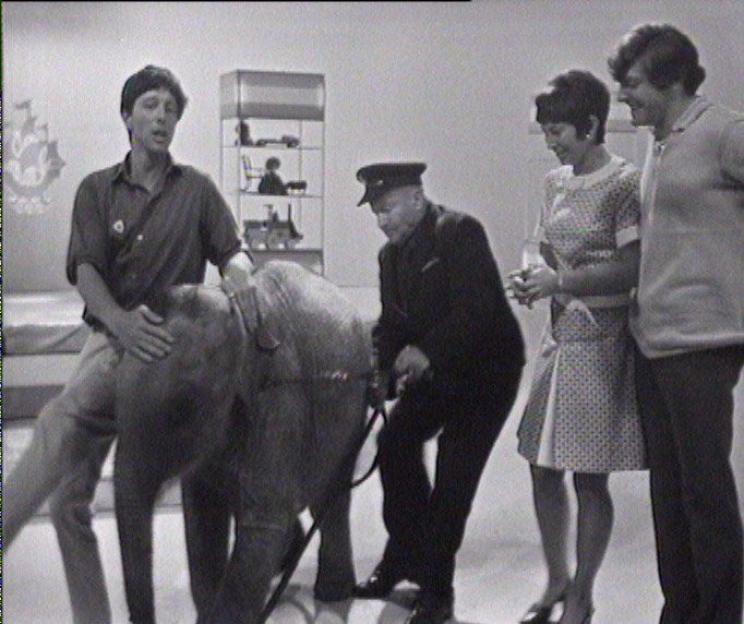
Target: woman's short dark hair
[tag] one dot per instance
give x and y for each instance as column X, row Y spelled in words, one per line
column 151, row 77
column 574, row 97
column 667, row 56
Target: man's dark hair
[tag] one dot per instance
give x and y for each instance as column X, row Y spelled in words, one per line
column 667, row 56
column 151, row 77
column 574, row 97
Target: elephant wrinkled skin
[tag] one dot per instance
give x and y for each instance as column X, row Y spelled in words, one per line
column 263, row 456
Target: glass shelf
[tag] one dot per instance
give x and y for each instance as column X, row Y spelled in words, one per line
column 306, row 250
column 276, row 147
column 279, row 146
column 280, row 197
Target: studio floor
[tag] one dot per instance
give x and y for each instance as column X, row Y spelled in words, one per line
column 496, row 580
column 499, row 568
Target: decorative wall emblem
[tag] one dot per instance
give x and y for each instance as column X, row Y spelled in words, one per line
column 32, row 161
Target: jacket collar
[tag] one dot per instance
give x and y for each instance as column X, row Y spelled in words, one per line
column 696, row 108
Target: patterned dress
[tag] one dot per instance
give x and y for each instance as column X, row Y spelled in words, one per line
column 581, row 414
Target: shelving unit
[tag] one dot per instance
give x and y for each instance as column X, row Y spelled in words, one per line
column 275, row 120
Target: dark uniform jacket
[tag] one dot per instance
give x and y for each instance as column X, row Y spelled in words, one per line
column 441, row 291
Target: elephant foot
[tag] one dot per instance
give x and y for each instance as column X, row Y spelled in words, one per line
column 336, row 579
column 333, row 592
column 334, row 584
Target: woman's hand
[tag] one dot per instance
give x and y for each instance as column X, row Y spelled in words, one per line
column 541, row 282
column 530, row 285
column 517, row 286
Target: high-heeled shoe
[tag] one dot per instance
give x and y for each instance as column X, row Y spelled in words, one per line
column 540, row 614
column 587, row 618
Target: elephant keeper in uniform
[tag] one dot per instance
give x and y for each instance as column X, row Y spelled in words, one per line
column 449, row 346
column 138, row 227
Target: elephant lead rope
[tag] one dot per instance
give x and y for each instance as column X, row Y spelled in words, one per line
column 336, row 488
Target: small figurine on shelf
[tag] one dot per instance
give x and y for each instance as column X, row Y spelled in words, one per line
column 271, row 183
column 244, row 133
column 250, row 172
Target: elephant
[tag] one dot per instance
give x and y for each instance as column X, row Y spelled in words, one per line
column 255, row 408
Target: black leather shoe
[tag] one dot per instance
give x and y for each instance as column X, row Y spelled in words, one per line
column 431, row 611
column 380, row 583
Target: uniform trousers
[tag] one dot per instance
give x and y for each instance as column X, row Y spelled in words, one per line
column 72, row 437
column 686, row 405
column 426, row 524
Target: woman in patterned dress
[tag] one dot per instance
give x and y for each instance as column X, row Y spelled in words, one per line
column 581, row 412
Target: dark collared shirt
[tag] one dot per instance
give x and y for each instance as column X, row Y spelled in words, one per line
column 140, row 242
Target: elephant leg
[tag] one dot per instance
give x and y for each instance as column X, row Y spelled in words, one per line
column 342, row 410
column 255, row 558
column 206, row 512
column 137, row 480
column 271, row 479
column 335, row 578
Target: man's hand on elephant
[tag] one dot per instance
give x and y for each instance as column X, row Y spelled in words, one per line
column 410, row 366
column 140, row 333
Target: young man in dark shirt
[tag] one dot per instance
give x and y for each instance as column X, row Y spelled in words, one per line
column 138, row 228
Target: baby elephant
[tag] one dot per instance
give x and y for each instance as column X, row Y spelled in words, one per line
column 256, row 410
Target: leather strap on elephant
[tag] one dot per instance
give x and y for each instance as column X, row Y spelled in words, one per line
column 265, row 339
column 335, row 376
column 336, row 489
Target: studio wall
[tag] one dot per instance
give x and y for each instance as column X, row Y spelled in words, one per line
column 447, row 83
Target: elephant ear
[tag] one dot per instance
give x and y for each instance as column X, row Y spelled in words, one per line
column 255, row 319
